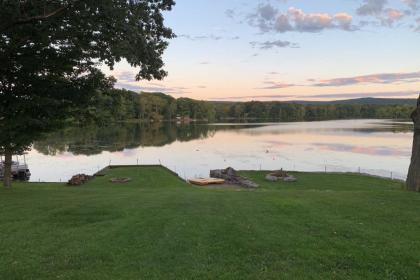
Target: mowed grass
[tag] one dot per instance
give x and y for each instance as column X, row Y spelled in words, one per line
column 326, row 226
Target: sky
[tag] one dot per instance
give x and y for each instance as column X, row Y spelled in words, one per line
column 241, row 50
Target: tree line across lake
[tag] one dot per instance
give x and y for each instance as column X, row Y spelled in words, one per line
column 124, row 105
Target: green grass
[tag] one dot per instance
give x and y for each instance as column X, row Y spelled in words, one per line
column 326, row 226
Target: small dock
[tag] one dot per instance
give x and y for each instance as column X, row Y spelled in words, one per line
column 206, row 181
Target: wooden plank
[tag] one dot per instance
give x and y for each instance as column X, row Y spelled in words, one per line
column 206, row 181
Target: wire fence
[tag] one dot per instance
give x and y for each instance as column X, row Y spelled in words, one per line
column 188, row 171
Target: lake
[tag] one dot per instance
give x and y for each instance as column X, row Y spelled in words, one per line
column 377, row 147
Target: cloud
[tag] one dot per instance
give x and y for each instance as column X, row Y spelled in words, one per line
column 386, row 78
column 252, row 97
column 275, row 85
column 274, row 44
column 372, row 7
column 124, row 76
column 266, row 12
column 363, row 95
column 199, row 37
column 378, row 9
column 206, row 37
column 301, row 96
column 315, row 22
column 268, row 18
column 391, row 16
column 230, row 13
column 413, row 4
column 134, row 86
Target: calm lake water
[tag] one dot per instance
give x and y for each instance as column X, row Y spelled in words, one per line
column 377, row 147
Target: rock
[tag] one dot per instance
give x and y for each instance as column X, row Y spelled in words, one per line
column 247, row 183
column 290, row 178
column 271, row 178
column 279, row 174
column 78, row 180
column 231, row 177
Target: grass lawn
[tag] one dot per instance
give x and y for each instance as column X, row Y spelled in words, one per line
column 326, row 226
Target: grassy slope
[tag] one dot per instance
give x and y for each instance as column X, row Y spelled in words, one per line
column 325, row 226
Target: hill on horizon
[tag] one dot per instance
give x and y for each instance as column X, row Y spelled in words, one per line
column 355, row 101
column 361, row 101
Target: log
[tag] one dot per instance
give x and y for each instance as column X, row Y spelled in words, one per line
column 413, row 177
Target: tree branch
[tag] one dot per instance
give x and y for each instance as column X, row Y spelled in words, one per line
column 40, row 17
column 37, row 18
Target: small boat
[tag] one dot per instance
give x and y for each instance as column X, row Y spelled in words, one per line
column 19, row 171
column 206, row 181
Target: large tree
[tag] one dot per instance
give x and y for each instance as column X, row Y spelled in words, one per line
column 50, row 53
column 413, row 178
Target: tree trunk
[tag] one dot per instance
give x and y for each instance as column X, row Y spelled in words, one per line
column 413, row 178
column 7, row 175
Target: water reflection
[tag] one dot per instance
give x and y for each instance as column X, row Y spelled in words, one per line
column 376, row 151
column 374, row 146
column 94, row 140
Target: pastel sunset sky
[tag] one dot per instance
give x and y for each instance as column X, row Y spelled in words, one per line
column 288, row 50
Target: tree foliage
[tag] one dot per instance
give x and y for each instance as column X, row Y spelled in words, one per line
column 50, row 52
column 123, row 105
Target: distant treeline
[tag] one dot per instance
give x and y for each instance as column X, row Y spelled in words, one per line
column 124, row 105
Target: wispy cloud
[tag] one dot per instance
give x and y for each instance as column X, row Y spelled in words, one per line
column 207, row 37
column 372, row 7
column 385, row 78
column 413, row 4
column 146, row 88
column 302, row 96
column 256, row 97
column 407, row 94
column 230, row 13
column 274, row 44
column 275, row 85
column 126, row 80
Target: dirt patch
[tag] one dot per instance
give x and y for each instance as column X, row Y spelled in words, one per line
column 120, row 180
column 224, row 187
